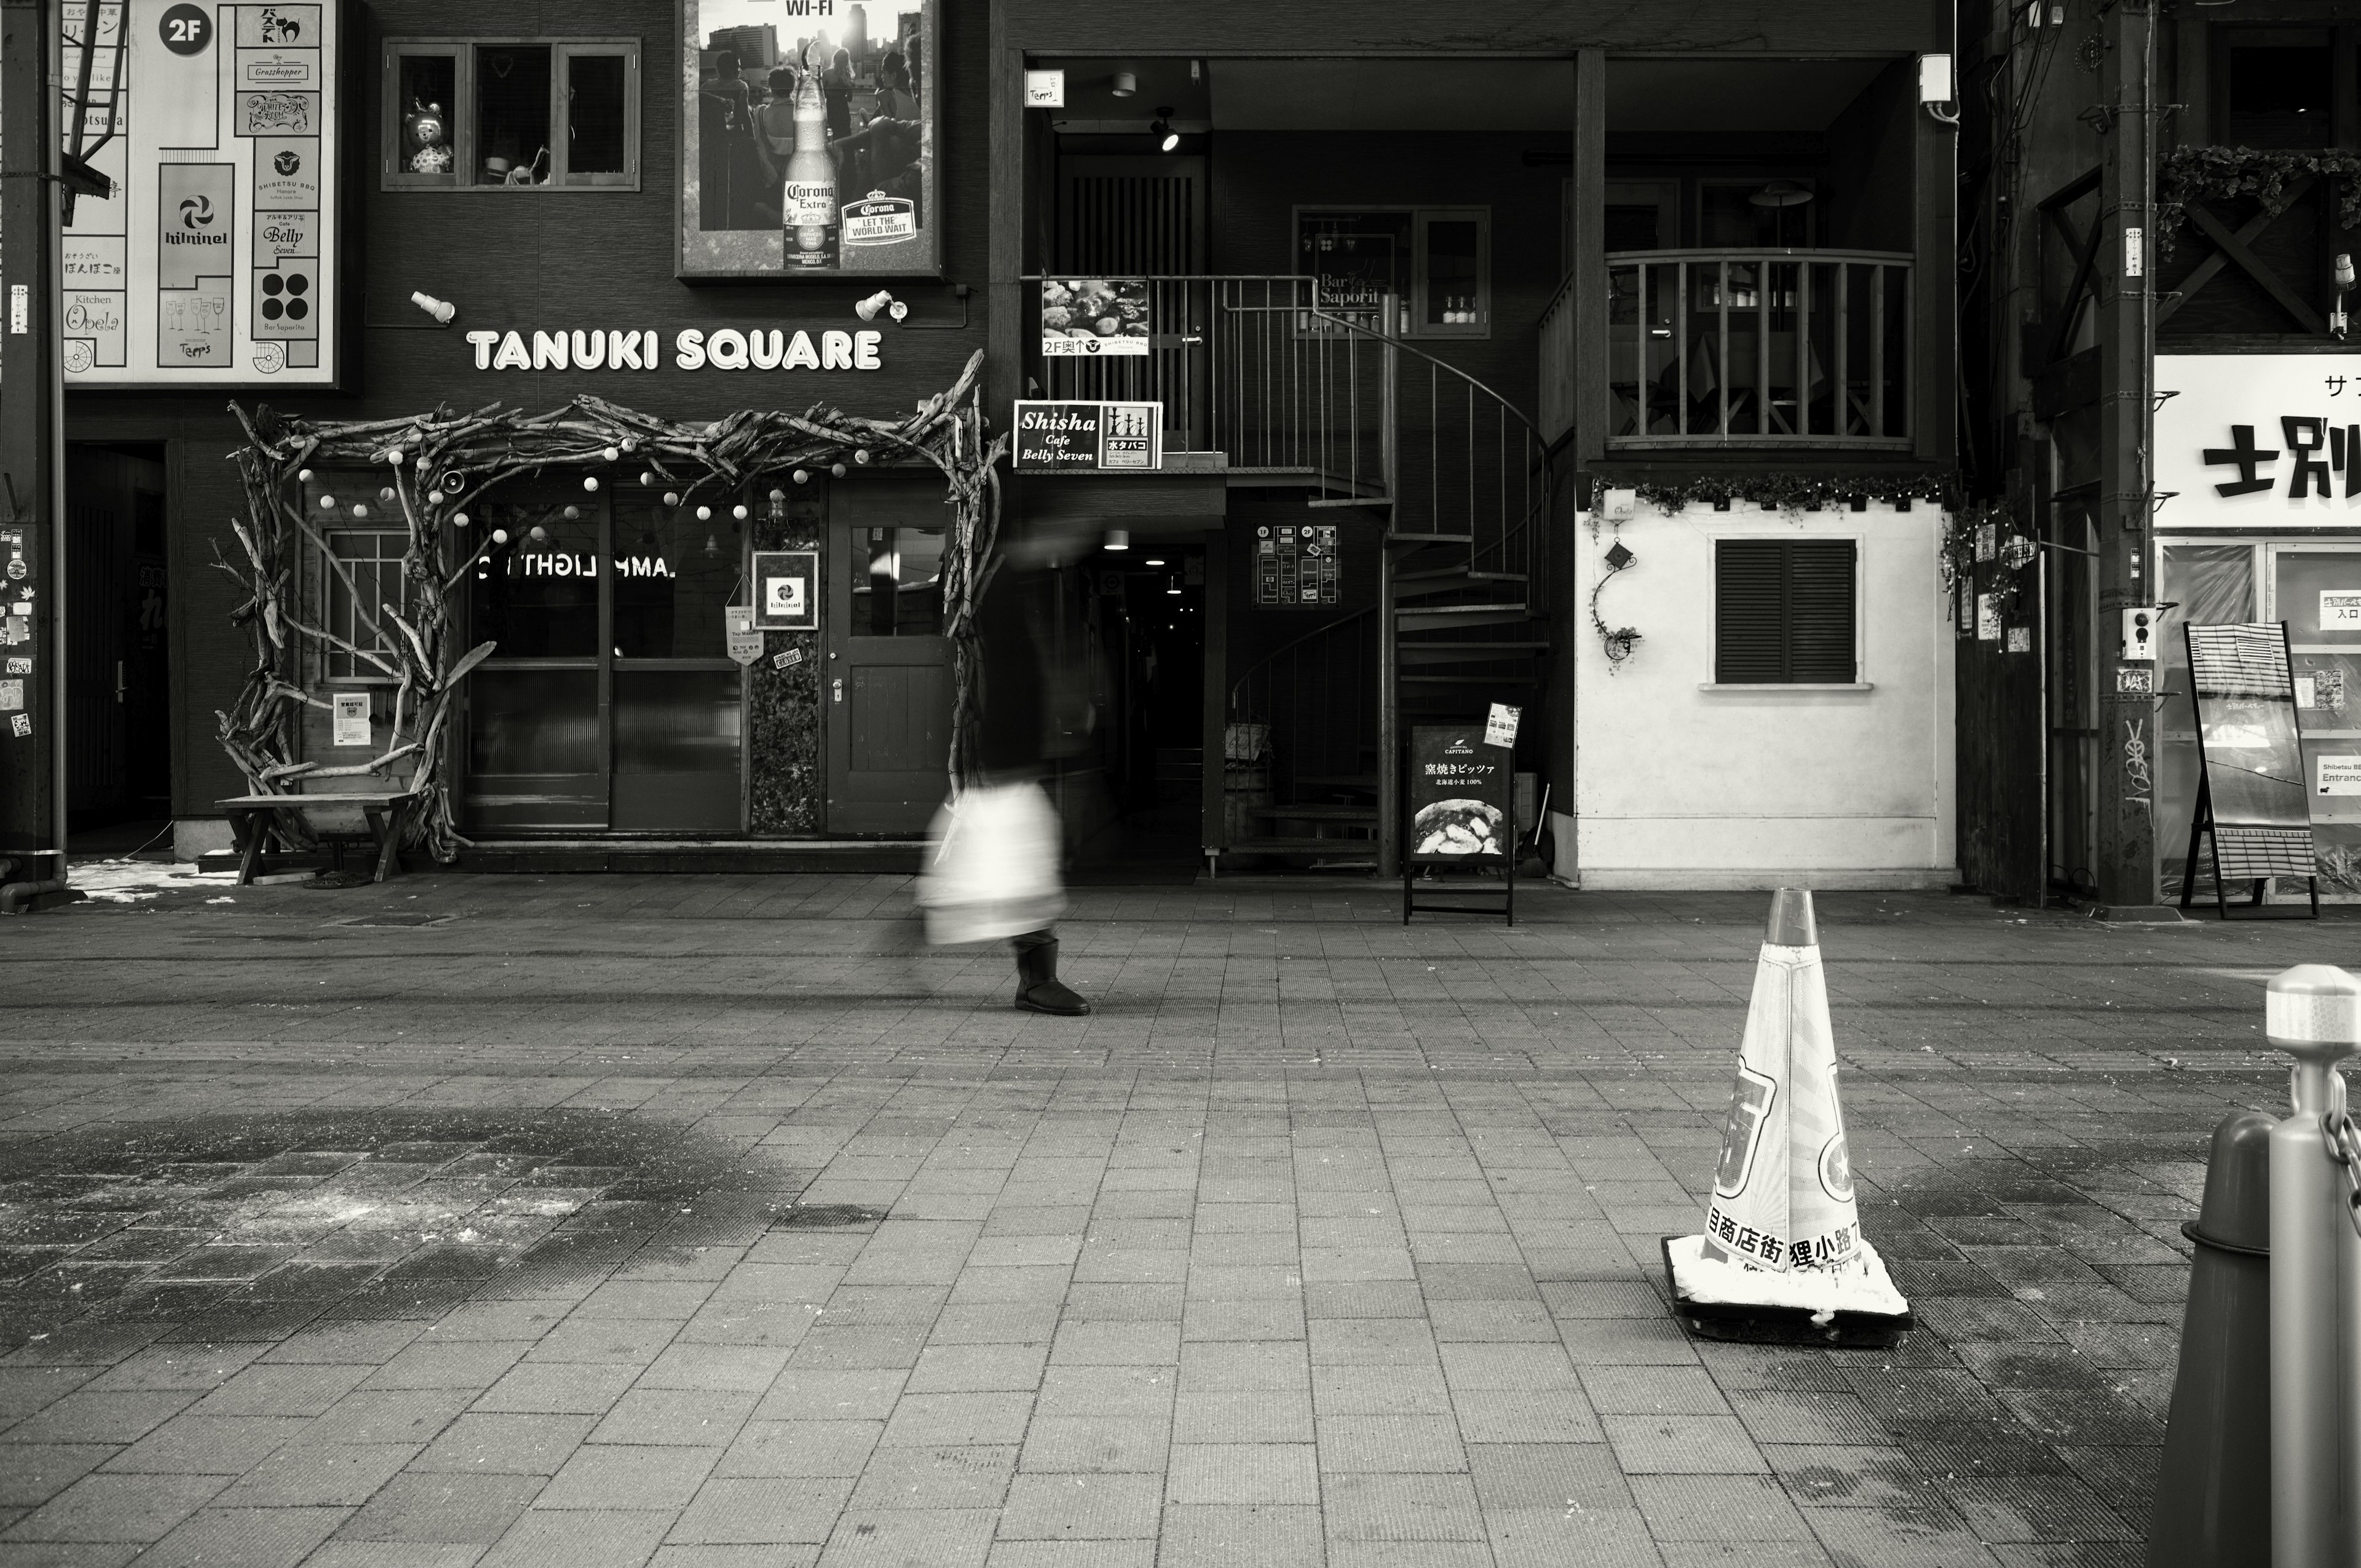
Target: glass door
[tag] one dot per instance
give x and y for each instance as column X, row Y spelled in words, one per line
column 611, row 704
column 537, row 712
column 889, row 687
column 2316, row 589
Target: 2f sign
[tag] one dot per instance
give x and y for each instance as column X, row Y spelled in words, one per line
column 2340, row 611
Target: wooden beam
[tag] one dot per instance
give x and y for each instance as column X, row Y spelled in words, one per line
column 2061, row 338
column 2230, row 246
column 1588, row 261
column 2208, row 269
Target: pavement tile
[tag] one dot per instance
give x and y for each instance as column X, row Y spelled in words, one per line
column 1742, row 1509
column 1588, row 1537
column 115, row 1509
column 206, row 1446
column 804, row 1448
column 1242, row 1473
column 90, row 1417
column 978, row 1368
column 1564, row 1477
column 246, row 1538
column 1400, row 1508
column 918, row 1538
column 771, row 1510
column 464, row 1510
column 1682, row 1445
column 681, row 1417
column 1428, row 1443
column 306, row 1476
column 1101, row 1444
column 1243, row 1415
column 1068, row 1506
column 969, row 1477
column 33, row 1473
column 615, row 1476
column 620, row 1536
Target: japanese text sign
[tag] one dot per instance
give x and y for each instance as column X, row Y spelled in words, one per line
column 2266, row 439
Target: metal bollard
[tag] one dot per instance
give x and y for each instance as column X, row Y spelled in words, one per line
column 2313, row 1013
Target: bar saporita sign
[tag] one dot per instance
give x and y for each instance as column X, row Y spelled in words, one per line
column 693, row 348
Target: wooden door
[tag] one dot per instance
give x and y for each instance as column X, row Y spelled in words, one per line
column 888, row 681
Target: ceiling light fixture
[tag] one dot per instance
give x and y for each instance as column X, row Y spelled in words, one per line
column 1167, row 138
column 1118, row 538
column 1125, row 84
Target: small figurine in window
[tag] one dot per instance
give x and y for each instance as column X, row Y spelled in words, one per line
column 428, row 135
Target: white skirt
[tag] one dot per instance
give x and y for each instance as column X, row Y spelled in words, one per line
column 992, row 868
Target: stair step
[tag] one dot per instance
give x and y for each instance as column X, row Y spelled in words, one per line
column 1458, row 617
column 1314, row 813
column 1461, row 572
column 1526, row 680
column 1467, row 652
column 1339, row 781
column 1277, row 845
column 1351, row 502
column 1423, row 541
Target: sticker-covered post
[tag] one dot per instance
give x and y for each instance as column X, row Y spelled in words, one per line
column 32, row 786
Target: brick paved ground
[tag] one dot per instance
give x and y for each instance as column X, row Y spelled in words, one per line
column 708, row 1220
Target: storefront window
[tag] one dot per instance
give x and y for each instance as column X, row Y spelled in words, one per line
column 673, row 578
column 537, row 595
column 371, row 576
column 2278, row 87
column 897, row 586
column 534, row 724
column 522, row 115
column 2318, row 592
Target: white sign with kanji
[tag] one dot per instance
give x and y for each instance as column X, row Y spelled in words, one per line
column 2257, row 439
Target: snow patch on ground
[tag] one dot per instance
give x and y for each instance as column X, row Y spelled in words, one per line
column 129, row 881
column 1709, row 1282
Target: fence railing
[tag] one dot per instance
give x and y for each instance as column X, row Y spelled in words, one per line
column 1747, row 348
column 1250, row 368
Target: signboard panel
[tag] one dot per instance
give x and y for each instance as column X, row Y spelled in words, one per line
column 1104, row 316
column 743, row 637
column 1296, row 564
column 786, row 590
column 2257, row 441
column 214, row 263
column 1089, row 438
column 2251, row 796
column 809, row 142
column 1459, row 797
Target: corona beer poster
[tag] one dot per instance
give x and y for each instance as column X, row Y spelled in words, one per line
column 213, row 262
column 807, row 141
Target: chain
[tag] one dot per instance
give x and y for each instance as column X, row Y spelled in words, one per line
column 2343, row 1141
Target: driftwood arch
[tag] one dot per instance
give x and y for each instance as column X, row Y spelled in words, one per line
column 431, row 468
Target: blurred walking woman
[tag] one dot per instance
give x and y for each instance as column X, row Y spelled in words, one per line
column 994, row 868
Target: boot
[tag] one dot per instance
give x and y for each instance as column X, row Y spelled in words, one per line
column 1038, row 987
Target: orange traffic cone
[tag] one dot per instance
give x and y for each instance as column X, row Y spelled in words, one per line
column 1782, row 1257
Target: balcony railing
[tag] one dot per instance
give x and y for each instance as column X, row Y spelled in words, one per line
column 1745, row 349
column 1250, row 368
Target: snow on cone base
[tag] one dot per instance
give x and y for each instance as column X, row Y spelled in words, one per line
column 1783, row 1237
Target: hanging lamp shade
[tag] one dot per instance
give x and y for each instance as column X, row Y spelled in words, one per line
column 1782, row 193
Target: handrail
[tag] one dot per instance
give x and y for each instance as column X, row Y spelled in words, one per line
column 1395, row 342
column 1291, row 645
column 1759, row 253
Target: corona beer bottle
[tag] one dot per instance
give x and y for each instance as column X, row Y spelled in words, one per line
column 810, row 205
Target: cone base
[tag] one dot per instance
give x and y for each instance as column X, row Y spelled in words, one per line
column 1723, row 1301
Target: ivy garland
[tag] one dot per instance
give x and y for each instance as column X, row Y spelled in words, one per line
column 2244, row 173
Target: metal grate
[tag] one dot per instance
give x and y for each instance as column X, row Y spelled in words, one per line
column 2240, row 660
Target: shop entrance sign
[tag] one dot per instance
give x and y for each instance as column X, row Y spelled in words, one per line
column 1460, row 801
column 1296, row 564
column 1089, row 438
column 786, row 590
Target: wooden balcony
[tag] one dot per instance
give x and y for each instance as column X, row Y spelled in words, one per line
column 1715, row 349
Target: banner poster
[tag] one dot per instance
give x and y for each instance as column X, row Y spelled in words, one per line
column 1458, row 801
column 1106, row 316
column 214, row 263
column 807, row 142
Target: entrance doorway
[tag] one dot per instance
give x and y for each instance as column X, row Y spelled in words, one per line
column 888, row 682
column 118, row 668
column 610, row 705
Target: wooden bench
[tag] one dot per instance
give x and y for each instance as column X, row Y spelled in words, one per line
column 254, row 818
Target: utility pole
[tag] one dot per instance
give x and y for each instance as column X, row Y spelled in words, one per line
column 2124, row 303
column 32, row 663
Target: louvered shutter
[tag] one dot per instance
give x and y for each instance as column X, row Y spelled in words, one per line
column 1751, row 611
column 1784, row 612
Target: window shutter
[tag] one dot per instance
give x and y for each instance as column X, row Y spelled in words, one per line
column 1821, row 611
column 1784, row 611
column 1750, row 611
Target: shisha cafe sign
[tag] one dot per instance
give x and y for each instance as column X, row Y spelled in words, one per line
column 693, row 348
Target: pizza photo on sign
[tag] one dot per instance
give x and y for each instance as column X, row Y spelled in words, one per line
column 1457, row 828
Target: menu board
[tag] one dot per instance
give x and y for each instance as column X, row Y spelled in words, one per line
column 1458, row 798
column 214, row 263
column 2253, row 796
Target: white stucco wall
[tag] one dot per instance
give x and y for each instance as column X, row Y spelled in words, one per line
column 1678, row 785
